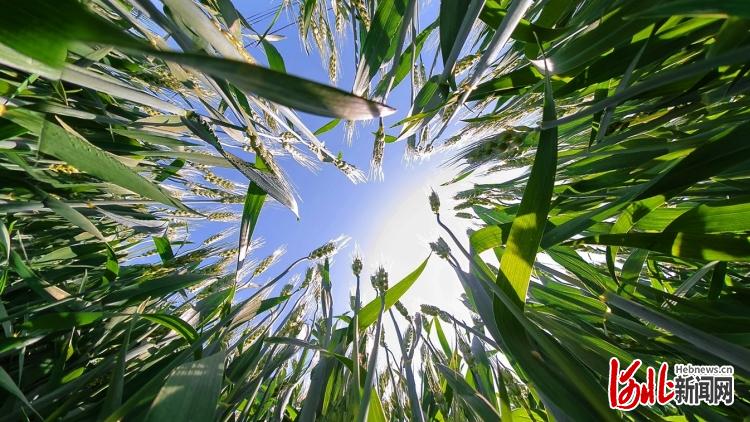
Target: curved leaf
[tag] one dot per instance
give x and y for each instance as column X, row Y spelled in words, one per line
column 86, row 157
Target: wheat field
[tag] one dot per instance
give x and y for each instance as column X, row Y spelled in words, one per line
column 625, row 232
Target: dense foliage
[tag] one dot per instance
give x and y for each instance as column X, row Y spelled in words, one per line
column 624, row 235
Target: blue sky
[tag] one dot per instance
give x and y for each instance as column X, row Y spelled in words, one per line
column 330, row 204
column 388, row 221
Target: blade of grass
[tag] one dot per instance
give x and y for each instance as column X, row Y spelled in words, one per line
column 469, row 395
column 191, row 391
column 528, row 225
column 81, row 154
column 6, row 382
column 369, row 313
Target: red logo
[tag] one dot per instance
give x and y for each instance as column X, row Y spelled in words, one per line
column 625, row 393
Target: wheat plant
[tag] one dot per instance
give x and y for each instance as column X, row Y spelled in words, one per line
column 606, row 148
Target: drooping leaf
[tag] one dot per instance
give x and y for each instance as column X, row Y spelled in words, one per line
column 81, row 154
column 74, row 217
column 68, row 22
column 173, row 323
column 282, row 88
column 275, row 185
